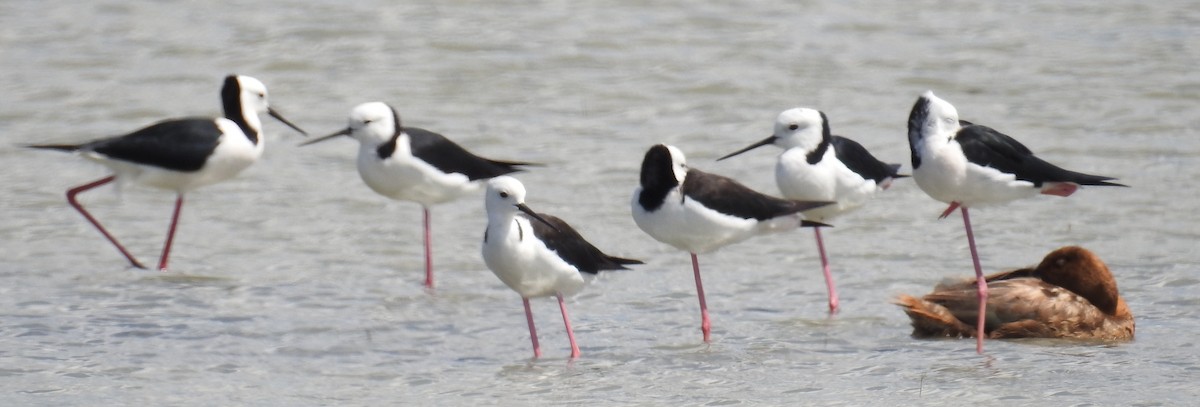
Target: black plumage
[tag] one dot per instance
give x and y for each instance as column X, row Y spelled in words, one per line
column 987, row 147
column 444, row 154
column 729, row 197
column 449, row 157
column 179, row 144
column 560, row 237
column 657, row 178
column 858, row 159
column 716, row 192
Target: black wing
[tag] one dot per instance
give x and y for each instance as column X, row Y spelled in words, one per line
column 858, row 159
column 180, row 144
column 449, row 157
column 572, row 247
column 732, row 198
column 987, row 147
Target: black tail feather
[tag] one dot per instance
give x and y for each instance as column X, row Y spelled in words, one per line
column 1089, row 179
column 895, row 171
column 623, row 261
column 60, row 147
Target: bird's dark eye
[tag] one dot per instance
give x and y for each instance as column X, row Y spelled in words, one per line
column 793, row 126
column 503, row 194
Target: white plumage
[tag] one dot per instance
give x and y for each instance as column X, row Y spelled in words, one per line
column 510, row 249
column 413, row 164
column 817, row 165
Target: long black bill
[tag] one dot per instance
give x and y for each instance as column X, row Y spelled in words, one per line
column 279, row 117
column 763, row 142
column 342, row 132
column 534, row 215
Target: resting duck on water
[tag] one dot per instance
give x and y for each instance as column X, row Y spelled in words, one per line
column 1071, row 294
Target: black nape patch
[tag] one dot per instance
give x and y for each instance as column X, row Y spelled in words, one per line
column 388, row 148
column 231, row 103
column 916, row 120
column 657, row 178
column 814, row 157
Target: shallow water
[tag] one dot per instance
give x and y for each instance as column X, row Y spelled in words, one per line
column 294, row 284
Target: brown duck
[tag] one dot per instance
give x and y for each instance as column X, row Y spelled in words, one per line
column 1071, row 294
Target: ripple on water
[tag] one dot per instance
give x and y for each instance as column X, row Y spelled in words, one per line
column 294, row 283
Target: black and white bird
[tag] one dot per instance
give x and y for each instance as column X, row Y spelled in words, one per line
column 538, row 255
column 413, row 164
column 700, row 212
column 968, row 165
column 181, row 154
column 818, row 166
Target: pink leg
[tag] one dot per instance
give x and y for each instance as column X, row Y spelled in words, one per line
column 428, row 253
column 705, row 325
column 570, row 332
column 980, row 283
column 950, row 210
column 537, row 349
column 833, row 297
column 162, row 263
column 71, row 199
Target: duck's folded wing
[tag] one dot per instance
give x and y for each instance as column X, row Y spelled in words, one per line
column 1023, row 307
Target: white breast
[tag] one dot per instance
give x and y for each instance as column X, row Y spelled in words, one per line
column 827, row 180
column 233, row 154
column 407, row 178
column 524, row 263
column 695, row 228
column 946, row 175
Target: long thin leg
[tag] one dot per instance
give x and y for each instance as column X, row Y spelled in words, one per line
column 162, row 262
column 428, row 252
column 980, row 283
column 570, row 332
column 71, row 193
column 949, row 210
column 833, row 297
column 705, row 324
column 537, row 349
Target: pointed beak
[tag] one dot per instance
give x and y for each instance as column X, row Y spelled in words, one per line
column 534, row 215
column 342, row 132
column 279, row 117
column 767, row 141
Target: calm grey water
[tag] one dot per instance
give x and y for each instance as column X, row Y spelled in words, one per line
column 294, row 284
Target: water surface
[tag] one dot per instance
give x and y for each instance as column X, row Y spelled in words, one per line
column 294, row 284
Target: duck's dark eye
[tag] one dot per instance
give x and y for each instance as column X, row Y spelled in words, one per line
column 503, row 194
column 793, row 126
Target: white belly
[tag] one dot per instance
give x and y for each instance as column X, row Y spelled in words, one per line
column 951, row 178
column 828, row 180
column 233, row 154
column 409, row 179
column 696, row 229
column 525, row 264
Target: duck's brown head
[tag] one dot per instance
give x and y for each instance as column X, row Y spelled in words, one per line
column 1081, row 271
